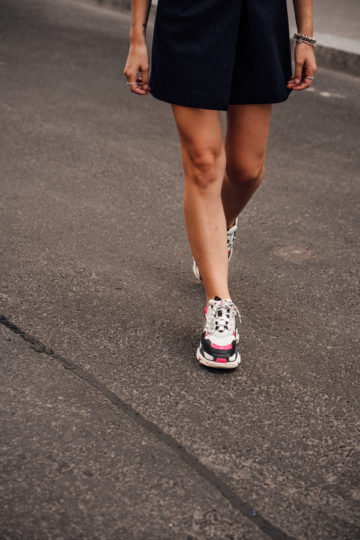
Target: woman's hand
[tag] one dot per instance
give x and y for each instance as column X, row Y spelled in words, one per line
column 137, row 68
column 305, row 67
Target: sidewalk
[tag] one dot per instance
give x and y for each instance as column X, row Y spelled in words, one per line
column 337, row 29
column 338, row 19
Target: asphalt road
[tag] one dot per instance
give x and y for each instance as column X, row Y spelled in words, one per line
column 110, row 427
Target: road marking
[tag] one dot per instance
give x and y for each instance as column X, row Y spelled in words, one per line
column 325, row 93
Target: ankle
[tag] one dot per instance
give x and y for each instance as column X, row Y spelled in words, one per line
column 225, row 296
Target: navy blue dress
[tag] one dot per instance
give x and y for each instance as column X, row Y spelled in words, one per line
column 212, row 53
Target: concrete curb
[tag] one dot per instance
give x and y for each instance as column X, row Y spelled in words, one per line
column 338, row 59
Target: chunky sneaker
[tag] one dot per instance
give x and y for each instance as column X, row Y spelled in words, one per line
column 231, row 233
column 220, row 336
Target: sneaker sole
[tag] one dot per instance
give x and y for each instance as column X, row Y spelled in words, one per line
column 217, row 365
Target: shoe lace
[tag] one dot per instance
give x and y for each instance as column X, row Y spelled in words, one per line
column 220, row 315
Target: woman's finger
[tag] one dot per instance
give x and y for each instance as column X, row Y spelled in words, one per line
column 307, row 81
column 307, row 78
column 309, row 73
column 135, row 80
column 140, row 83
column 135, row 86
column 145, row 78
column 294, row 86
column 298, row 71
column 297, row 82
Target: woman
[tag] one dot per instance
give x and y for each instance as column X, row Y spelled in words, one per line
column 210, row 56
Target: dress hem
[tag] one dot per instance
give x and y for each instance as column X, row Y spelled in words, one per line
column 210, row 104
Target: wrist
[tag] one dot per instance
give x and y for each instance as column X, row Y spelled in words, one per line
column 137, row 41
column 137, row 35
column 306, row 29
column 303, row 38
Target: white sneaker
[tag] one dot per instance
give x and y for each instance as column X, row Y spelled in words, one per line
column 231, row 234
column 220, row 335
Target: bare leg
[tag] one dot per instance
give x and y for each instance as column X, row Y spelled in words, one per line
column 204, row 161
column 245, row 144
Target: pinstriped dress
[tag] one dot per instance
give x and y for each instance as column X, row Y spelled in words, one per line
column 212, row 53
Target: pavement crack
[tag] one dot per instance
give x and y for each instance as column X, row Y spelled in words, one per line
column 215, row 481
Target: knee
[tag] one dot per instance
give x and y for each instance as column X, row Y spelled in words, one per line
column 205, row 168
column 251, row 172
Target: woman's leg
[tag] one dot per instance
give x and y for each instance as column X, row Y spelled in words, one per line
column 245, row 144
column 204, row 161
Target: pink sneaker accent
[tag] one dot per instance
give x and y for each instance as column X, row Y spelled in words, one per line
column 205, row 309
column 221, row 360
column 221, row 347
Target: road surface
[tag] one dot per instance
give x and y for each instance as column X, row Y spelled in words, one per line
column 110, row 427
